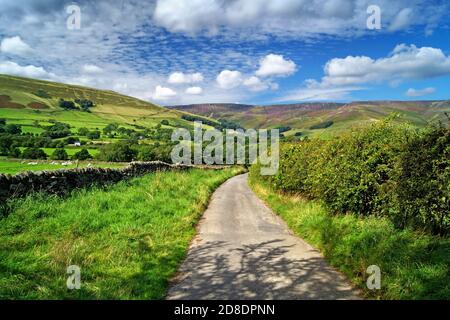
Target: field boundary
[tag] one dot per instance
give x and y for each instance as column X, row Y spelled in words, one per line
column 64, row 181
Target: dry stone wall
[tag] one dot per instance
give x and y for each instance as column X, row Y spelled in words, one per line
column 62, row 182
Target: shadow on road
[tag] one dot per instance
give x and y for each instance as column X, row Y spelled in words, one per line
column 255, row 271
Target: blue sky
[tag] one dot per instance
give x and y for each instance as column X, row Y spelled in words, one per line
column 260, row 51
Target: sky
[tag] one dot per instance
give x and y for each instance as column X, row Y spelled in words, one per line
column 235, row 51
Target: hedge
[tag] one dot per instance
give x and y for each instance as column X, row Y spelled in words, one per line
column 385, row 169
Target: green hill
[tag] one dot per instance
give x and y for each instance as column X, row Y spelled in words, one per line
column 322, row 119
column 24, row 101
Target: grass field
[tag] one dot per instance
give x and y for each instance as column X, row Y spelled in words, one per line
column 128, row 239
column 413, row 265
column 110, row 107
column 70, row 151
column 11, row 166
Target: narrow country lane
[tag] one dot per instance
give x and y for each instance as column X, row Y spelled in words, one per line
column 244, row 251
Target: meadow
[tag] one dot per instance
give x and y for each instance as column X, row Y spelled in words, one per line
column 11, row 166
column 128, row 239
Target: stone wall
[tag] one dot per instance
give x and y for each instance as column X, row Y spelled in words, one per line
column 62, row 182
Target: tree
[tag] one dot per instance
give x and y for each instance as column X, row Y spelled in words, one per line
column 57, row 130
column 34, row 153
column 83, row 131
column 59, row 154
column 110, row 128
column 93, row 135
column 14, row 153
column 117, row 152
column 67, row 105
column 83, row 154
column 13, row 129
column 165, row 122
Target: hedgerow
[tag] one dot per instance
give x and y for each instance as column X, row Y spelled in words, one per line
column 385, row 169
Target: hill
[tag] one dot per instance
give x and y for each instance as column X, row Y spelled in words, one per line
column 322, row 119
column 24, row 101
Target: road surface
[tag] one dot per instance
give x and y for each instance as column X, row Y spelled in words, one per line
column 244, row 251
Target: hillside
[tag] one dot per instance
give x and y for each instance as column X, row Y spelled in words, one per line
column 337, row 116
column 24, row 101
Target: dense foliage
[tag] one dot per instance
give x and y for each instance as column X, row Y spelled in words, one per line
column 322, row 125
column 385, row 170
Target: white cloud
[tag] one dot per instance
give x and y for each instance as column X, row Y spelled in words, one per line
column 92, row 69
column 189, row 16
column 229, row 79
column 420, row 92
column 315, row 91
column 404, row 63
column 255, row 84
column 292, row 18
column 275, row 65
column 16, row 46
column 29, row 71
column 163, row 93
column 403, row 19
column 194, row 90
column 183, row 78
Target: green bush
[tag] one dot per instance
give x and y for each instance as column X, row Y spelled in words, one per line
column 322, row 125
column 15, row 153
column 59, row 154
column 83, row 154
column 34, row 153
column 117, row 152
column 385, row 169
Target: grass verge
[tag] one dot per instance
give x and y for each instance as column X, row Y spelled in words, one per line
column 413, row 265
column 128, row 239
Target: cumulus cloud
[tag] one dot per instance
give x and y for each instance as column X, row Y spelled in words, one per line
column 183, row 78
column 16, row 46
column 403, row 19
column 255, row 84
column 194, row 90
column 292, row 18
column 229, row 79
column 29, row 71
column 163, row 93
column 275, row 65
column 404, row 63
column 420, row 92
column 92, row 69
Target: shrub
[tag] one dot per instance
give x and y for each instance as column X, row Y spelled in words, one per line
column 12, row 129
column 93, row 135
column 57, row 130
column 423, row 182
column 14, row 153
column 322, row 125
column 117, row 152
column 42, row 93
column 83, row 131
column 83, row 154
column 385, row 169
column 34, row 153
column 59, row 154
column 67, row 105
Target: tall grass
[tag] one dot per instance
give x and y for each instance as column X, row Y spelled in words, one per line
column 128, row 240
column 414, row 265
